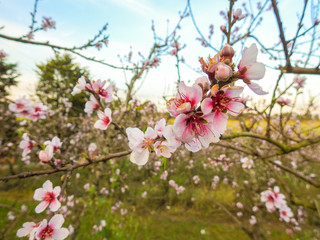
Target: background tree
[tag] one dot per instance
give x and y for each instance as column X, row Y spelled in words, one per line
column 8, row 75
column 57, row 79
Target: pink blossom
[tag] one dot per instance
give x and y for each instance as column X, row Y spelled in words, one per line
column 285, row 213
column 225, row 100
column 21, row 105
column 186, row 99
column 144, row 194
column 180, row 189
column 52, row 230
column 98, row 87
column 162, row 148
column 237, row 14
column 55, row 143
column 28, row 229
column 283, row 102
column 160, row 125
column 196, row 179
column 273, row 199
column 98, row 45
column 300, row 81
column 48, row 197
column 204, row 83
column 91, row 105
column 47, row 23
column 250, row 69
column 246, row 162
column 38, row 111
column 195, row 130
column 252, row 220
column 47, row 154
column 104, row 119
column 141, row 144
column 26, row 144
column 168, row 134
column 164, row 175
column 239, row 205
column 80, row 86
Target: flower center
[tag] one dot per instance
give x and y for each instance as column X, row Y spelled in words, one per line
column 46, row 233
column 49, row 197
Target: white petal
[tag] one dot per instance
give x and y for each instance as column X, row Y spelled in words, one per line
column 100, row 125
column 256, row 71
column 41, row 206
column 39, row 194
column 56, row 221
column 140, row 158
column 57, row 191
column 54, row 205
column 60, row 234
column 47, row 186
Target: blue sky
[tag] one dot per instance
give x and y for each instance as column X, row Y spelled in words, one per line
column 129, row 26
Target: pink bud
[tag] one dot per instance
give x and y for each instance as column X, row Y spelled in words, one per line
column 223, row 28
column 223, row 72
column 2, row 54
column 227, row 51
column 43, row 156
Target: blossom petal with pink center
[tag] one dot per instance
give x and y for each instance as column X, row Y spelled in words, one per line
column 181, row 130
column 140, row 158
column 257, row 89
column 235, row 108
column 207, row 105
column 60, row 234
column 220, row 121
column 56, row 221
column 26, row 229
column 41, row 206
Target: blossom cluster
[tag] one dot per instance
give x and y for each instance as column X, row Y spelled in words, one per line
column 201, row 110
column 98, row 93
column 276, row 200
column 23, row 107
column 48, row 197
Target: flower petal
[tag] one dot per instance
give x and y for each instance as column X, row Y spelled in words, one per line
column 140, row 158
column 41, row 206
column 48, row 186
column 39, row 194
column 257, row 89
column 54, row 205
column 60, row 234
column 207, row 105
column 235, row 108
column 56, row 221
column 220, row 121
column 256, row 71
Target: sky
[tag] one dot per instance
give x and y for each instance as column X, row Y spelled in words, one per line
column 129, row 27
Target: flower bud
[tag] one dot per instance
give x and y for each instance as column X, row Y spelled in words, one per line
column 223, row 72
column 227, row 51
column 43, row 156
column 223, row 28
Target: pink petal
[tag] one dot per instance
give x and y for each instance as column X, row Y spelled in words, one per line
column 235, row 108
column 207, row 105
column 220, row 121
column 54, row 205
column 60, row 234
column 41, row 206
column 257, row 89
column 56, row 221
column 47, row 186
column 140, row 158
column 39, row 194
